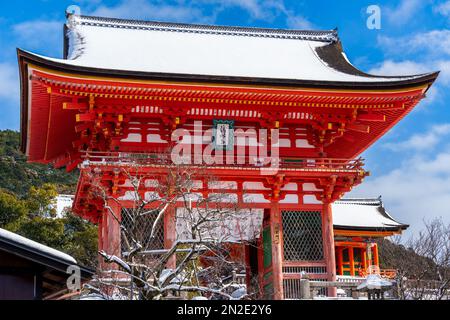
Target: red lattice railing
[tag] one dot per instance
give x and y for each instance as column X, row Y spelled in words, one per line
column 147, row 159
column 385, row 273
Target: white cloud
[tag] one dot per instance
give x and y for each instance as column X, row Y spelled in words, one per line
column 255, row 8
column 422, row 141
column 202, row 11
column 419, row 188
column 9, row 95
column 419, row 53
column 432, row 43
column 443, row 8
column 444, row 67
column 403, row 13
column 440, row 165
column 9, row 82
column 293, row 19
column 141, row 9
column 40, row 34
column 393, row 68
column 298, row 22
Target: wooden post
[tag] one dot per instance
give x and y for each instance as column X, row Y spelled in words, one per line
column 100, row 239
column 364, row 259
column 375, row 254
column 170, row 234
column 260, row 253
column 352, row 261
column 100, row 233
column 369, row 254
column 110, row 240
column 340, row 260
column 109, row 235
column 103, row 241
column 112, row 235
column 248, row 271
column 328, row 245
column 277, row 242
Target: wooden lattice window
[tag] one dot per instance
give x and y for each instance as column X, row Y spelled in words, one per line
column 302, row 235
column 140, row 227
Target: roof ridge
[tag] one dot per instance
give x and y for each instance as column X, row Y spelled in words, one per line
column 360, row 199
column 313, row 35
column 366, row 201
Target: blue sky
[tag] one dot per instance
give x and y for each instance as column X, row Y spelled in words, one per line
column 410, row 166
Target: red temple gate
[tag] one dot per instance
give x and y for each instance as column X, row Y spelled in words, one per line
column 81, row 112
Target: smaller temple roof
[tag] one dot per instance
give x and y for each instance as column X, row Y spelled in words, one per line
column 11, row 238
column 37, row 252
column 364, row 214
column 49, row 263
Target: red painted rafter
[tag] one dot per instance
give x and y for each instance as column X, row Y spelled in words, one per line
column 238, row 93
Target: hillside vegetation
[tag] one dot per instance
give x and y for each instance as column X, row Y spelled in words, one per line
column 17, row 176
column 27, row 199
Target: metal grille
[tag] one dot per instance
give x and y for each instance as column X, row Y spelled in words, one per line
column 140, row 226
column 291, row 289
column 302, row 235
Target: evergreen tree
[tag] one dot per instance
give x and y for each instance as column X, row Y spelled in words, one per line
column 28, row 205
column 12, row 210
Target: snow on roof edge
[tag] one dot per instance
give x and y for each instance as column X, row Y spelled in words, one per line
column 374, row 80
column 363, row 201
column 30, row 244
column 314, row 35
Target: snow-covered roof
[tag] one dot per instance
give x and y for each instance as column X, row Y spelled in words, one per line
column 214, row 51
column 363, row 214
column 375, row 282
column 26, row 244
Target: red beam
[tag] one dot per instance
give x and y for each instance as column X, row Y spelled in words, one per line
column 85, row 117
column 75, row 106
column 371, row 117
column 363, row 128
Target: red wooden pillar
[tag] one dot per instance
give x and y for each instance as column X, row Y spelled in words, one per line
column 100, row 240
column 375, row 255
column 364, row 259
column 247, row 266
column 369, row 254
column 100, row 233
column 260, row 253
column 170, row 233
column 328, row 245
column 351, row 257
column 112, row 224
column 277, row 243
column 109, row 234
column 340, row 270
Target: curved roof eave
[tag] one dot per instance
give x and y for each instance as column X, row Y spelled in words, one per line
column 410, row 81
column 400, row 227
